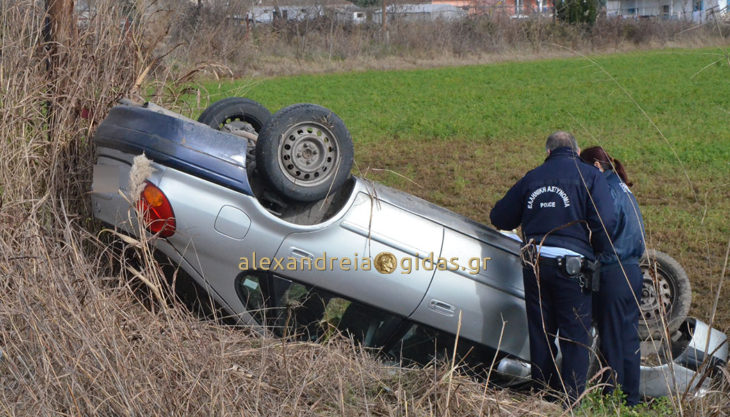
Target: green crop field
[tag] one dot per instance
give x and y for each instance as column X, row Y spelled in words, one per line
column 688, row 101
column 461, row 136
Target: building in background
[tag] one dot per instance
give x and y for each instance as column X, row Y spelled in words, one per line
column 269, row 11
column 512, row 8
column 420, row 12
column 695, row 10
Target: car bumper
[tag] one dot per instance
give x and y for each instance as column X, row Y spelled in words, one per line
column 697, row 354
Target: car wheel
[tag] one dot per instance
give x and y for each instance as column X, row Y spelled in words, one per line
column 665, row 295
column 305, row 152
column 234, row 114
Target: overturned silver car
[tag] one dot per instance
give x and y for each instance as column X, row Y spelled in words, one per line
column 261, row 212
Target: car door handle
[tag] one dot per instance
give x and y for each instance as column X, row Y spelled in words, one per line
column 301, row 253
column 441, row 307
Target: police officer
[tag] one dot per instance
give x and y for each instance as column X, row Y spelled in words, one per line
column 617, row 303
column 564, row 207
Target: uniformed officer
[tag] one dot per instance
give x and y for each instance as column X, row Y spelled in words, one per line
column 564, row 207
column 617, row 303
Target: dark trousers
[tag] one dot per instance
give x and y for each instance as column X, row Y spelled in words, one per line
column 556, row 304
column 617, row 314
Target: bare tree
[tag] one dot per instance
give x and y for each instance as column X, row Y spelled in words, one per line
column 60, row 27
column 59, row 30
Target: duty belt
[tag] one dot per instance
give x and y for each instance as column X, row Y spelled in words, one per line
column 557, row 262
column 585, row 272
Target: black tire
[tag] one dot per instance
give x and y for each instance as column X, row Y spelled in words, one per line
column 665, row 291
column 223, row 114
column 304, row 152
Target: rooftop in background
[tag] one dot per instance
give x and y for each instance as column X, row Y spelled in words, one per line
column 283, row 3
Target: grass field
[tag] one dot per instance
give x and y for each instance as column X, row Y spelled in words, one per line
column 463, row 135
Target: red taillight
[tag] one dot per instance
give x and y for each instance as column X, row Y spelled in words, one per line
column 158, row 215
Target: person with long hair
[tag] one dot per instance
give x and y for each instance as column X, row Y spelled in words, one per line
column 617, row 304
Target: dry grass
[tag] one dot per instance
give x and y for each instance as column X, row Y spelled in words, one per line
column 79, row 337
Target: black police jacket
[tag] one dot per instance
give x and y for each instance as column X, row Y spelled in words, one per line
column 561, row 191
column 628, row 234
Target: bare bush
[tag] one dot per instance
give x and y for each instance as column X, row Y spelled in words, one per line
column 219, row 34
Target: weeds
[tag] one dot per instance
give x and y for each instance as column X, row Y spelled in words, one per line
column 597, row 404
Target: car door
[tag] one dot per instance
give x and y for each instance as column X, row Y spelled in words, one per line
column 374, row 254
column 489, row 298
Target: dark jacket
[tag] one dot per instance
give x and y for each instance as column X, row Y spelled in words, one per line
column 555, row 194
column 628, row 234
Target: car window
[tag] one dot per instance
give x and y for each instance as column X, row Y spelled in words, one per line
column 249, row 291
column 422, row 344
column 303, row 312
